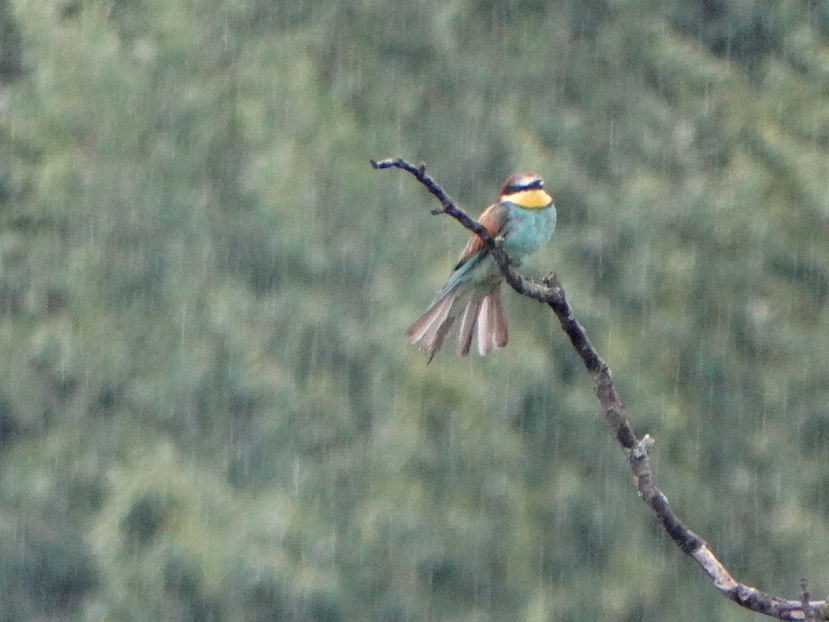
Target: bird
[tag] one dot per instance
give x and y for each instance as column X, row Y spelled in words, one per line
column 522, row 219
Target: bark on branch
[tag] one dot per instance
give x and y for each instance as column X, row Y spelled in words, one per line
column 551, row 293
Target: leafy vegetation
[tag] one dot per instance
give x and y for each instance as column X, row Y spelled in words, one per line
column 207, row 407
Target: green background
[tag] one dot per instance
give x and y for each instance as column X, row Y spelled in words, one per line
column 208, row 410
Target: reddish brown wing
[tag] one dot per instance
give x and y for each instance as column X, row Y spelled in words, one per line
column 493, row 218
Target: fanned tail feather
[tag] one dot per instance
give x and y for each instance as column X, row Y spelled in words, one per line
column 431, row 328
column 485, row 326
column 468, row 324
column 500, row 335
column 482, row 316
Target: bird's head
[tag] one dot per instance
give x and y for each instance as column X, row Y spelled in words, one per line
column 525, row 190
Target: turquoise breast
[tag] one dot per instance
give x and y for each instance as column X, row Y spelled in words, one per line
column 527, row 229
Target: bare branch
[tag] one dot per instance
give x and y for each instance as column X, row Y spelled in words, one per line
column 551, row 293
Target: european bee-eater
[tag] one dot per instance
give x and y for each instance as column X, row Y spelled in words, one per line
column 523, row 218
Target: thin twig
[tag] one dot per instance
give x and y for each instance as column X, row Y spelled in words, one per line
column 551, row 293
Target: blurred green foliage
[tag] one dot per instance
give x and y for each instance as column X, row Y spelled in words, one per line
column 207, row 407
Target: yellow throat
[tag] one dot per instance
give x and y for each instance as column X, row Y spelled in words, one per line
column 529, row 199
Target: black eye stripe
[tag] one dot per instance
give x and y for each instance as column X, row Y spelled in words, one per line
column 535, row 184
